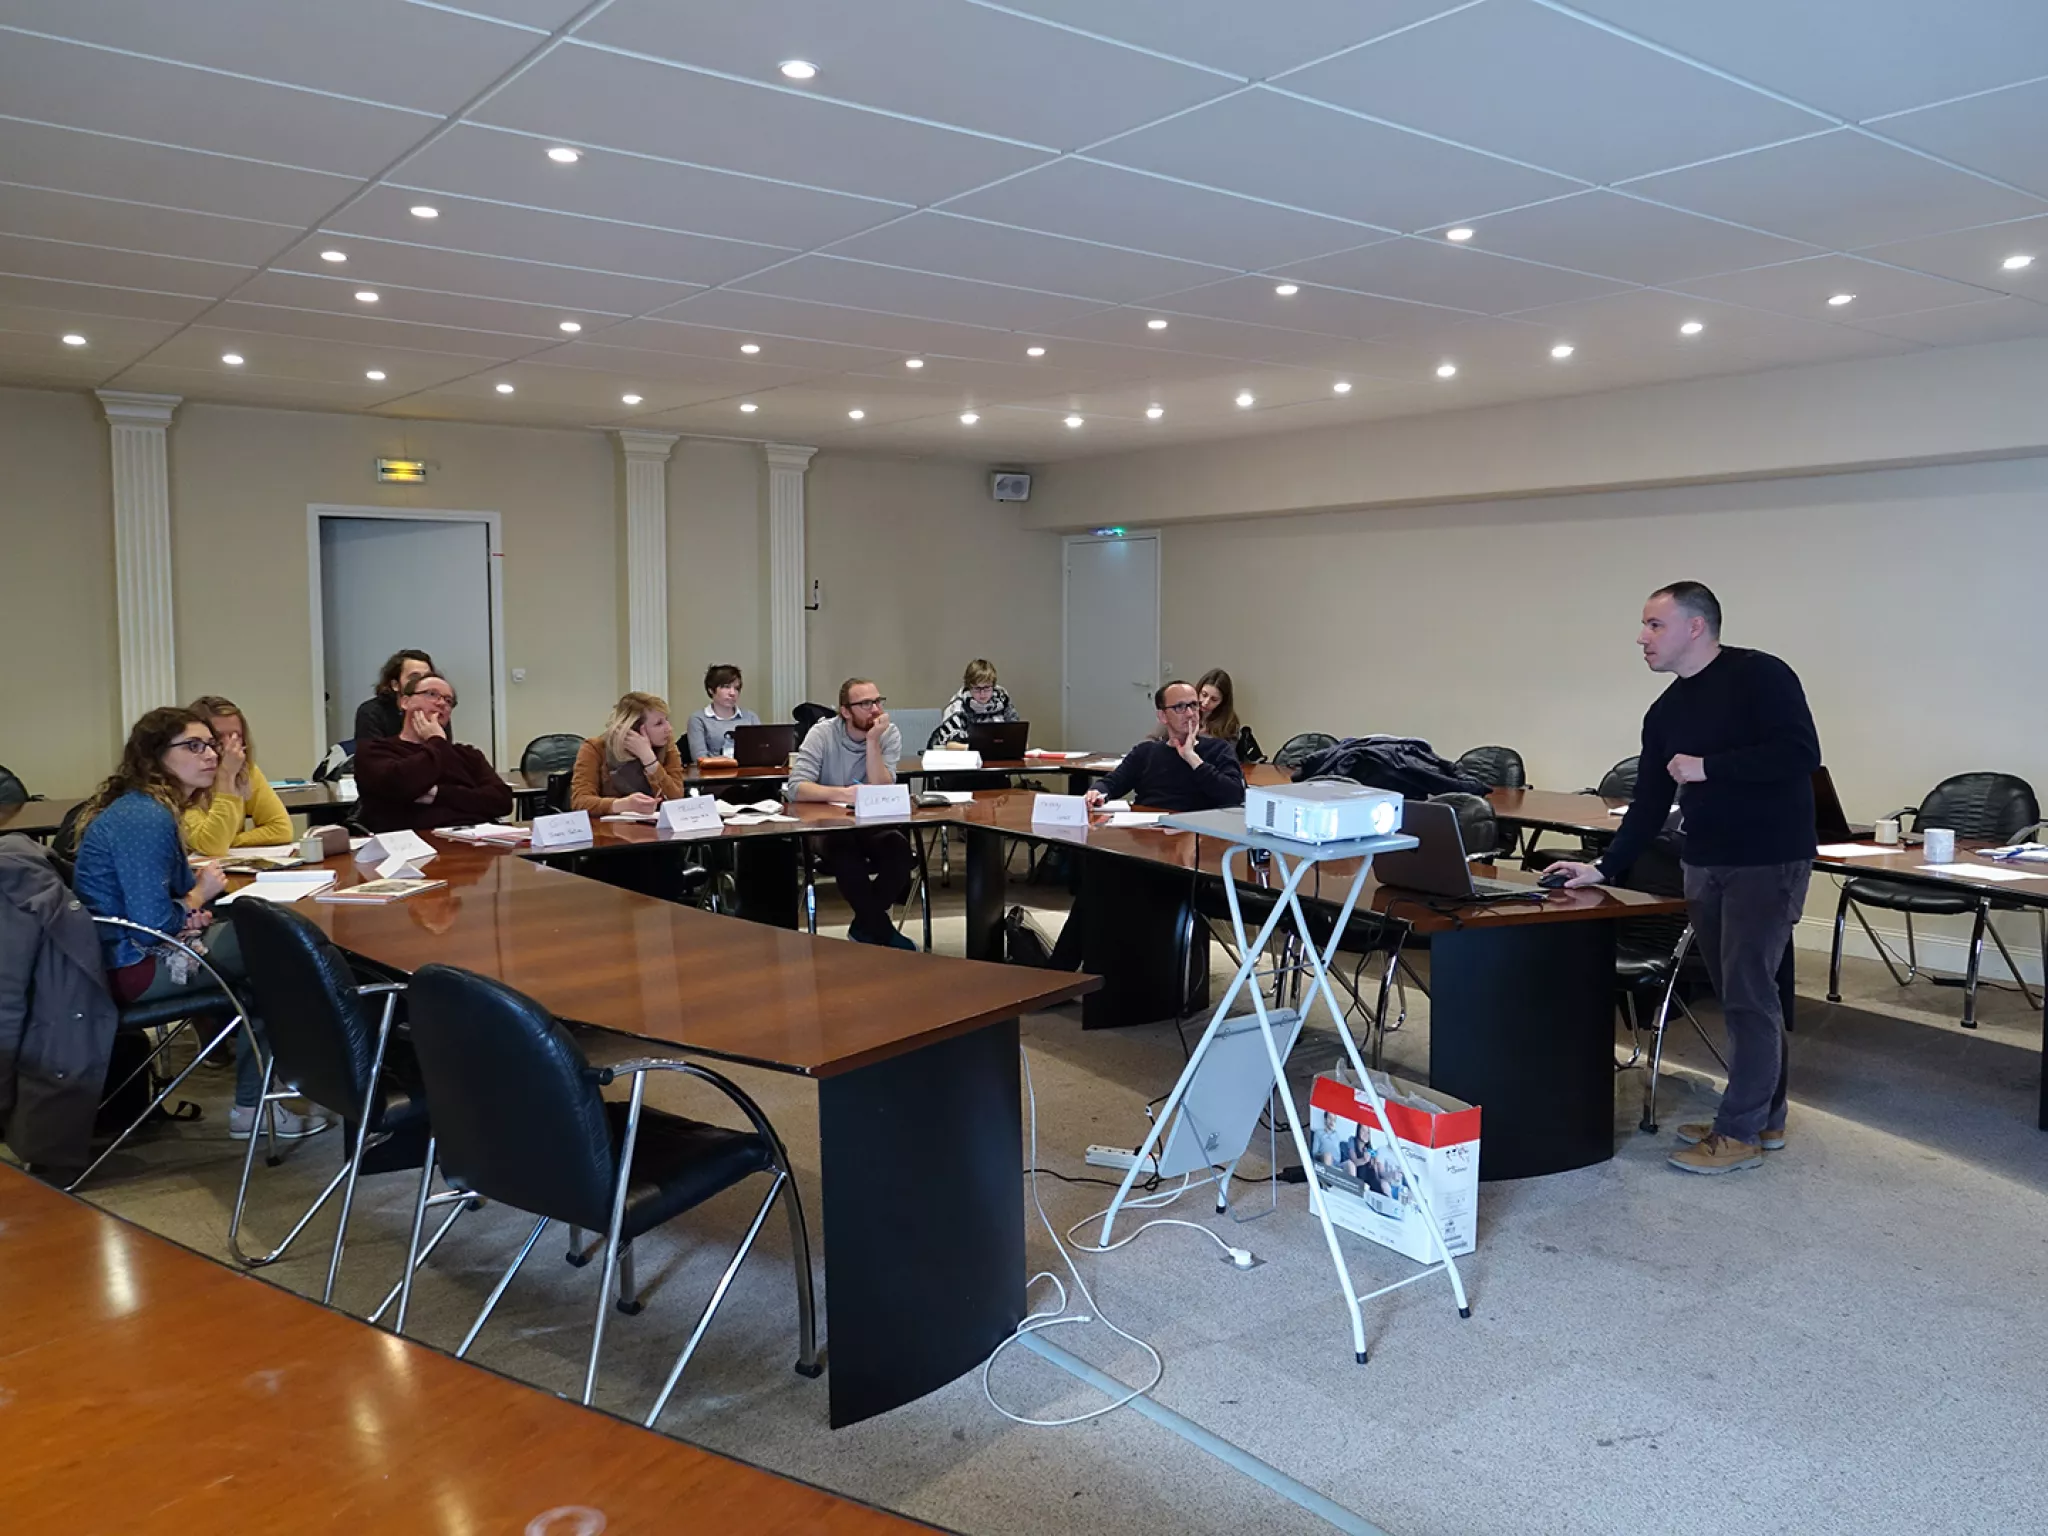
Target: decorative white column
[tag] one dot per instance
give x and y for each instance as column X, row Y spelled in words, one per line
column 647, row 559
column 787, row 662
column 139, row 425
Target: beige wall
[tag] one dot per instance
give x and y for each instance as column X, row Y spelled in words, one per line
column 60, row 692
column 923, row 573
column 717, row 568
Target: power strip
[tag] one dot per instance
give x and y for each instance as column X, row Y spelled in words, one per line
column 1112, row 1157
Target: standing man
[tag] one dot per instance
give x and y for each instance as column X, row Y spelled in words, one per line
column 419, row 778
column 1733, row 741
column 858, row 746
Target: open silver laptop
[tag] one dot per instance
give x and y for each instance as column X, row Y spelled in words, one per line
column 1436, row 865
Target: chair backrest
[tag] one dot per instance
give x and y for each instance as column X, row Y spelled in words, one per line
column 558, row 790
column 516, row 1107
column 12, row 790
column 304, row 990
column 1499, row 767
column 808, row 715
column 545, row 754
column 1478, row 827
column 917, row 726
column 1296, row 750
column 1659, row 870
column 64, row 843
column 1619, row 782
column 1991, row 805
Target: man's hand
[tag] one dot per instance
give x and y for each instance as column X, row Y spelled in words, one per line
column 1687, row 769
column 429, row 727
column 1578, row 874
column 878, row 727
column 1182, row 738
column 1094, row 797
column 635, row 805
column 428, row 797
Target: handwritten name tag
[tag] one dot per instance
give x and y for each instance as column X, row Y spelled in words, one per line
column 692, row 813
column 873, row 800
column 1059, row 811
column 565, row 830
column 408, row 846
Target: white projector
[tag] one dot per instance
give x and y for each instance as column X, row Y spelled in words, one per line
column 1322, row 811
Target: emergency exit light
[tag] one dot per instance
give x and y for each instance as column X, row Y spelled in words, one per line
column 402, row 471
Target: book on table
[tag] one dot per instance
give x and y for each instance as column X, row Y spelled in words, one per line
column 372, row 892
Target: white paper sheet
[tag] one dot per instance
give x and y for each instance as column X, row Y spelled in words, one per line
column 283, row 885
column 1978, row 871
column 1854, row 850
column 732, row 808
column 1135, row 818
column 263, row 853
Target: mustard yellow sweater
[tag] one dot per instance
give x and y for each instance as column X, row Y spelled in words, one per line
column 212, row 829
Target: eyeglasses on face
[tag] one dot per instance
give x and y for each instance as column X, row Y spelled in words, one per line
column 875, row 703
column 1183, row 709
column 198, row 746
column 435, row 693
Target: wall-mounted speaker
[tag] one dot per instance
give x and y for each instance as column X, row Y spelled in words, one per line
column 1007, row 485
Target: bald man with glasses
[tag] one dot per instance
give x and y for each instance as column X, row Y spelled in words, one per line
column 419, row 779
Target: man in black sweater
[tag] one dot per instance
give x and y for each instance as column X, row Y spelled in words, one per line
column 1733, row 742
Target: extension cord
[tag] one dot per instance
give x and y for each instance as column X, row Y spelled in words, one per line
column 1112, row 1157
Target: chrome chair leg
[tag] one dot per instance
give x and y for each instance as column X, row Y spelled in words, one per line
column 163, row 1093
column 629, row 1290
column 401, row 1292
column 1976, row 964
column 1912, row 950
column 1884, row 951
column 2012, row 965
column 1835, row 955
column 807, row 1363
column 498, row 1290
column 613, row 1238
column 717, row 1295
column 1701, row 1029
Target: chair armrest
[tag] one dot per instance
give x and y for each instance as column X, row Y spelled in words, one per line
column 632, row 1068
column 197, row 954
column 377, row 988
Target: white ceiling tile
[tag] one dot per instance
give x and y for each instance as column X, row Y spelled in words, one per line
column 129, row 226
column 79, row 87
column 379, row 331
column 1267, row 145
column 2004, row 134
column 892, row 290
column 1189, row 332
column 1476, row 348
column 21, row 256
column 589, row 97
column 32, row 337
column 1978, row 256
column 540, row 15
column 1327, row 312
column 1803, row 288
column 1857, row 58
column 98, row 165
column 673, row 378
column 1624, row 237
column 1965, row 325
column 443, row 61
column 336, row 363
column 700, row 341
column 1497, row 76
column 1089, row 201
column 1641, row 327
column 228, row 386
column 413, row 306
column 381, row 265
column 1841, row 190
column 801, row 408
column 1252, row 41
column 761, row 317
column 1100, row 88
column 98, row 299
column 1429, row 270
column 591, row 392
column 977, row 381
column 938, row 242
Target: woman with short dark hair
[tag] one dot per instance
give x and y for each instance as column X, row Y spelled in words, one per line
column 710, row 728
column 980, row 701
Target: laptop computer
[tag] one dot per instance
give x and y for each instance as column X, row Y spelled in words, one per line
column 999, row 741
column 1830, row 822
column 763, row 746
column 1436, row 865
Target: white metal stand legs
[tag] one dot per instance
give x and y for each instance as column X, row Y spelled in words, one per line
column 1293, row 862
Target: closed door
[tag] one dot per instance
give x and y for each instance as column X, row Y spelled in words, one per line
column 1112, row 641
column 389, row 584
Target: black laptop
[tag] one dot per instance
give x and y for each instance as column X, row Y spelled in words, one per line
column 1436, row 865
column 763, row 746
column 1830, row 822
column 1000, row 741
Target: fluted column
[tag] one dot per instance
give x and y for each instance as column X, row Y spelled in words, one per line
column 647, row 559
column 787, row 670
column 139, row 425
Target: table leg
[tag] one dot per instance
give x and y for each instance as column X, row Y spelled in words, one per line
column 1521, row 1023
column 767, row 887
column 1135, row 912
column 987, row 854
column 924, row 1218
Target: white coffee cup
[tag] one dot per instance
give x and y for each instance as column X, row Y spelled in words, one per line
column 1940, row 845
column 1887, row 831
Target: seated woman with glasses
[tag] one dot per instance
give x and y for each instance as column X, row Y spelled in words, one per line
column 979, row 702
column 240, row 810
column 420, row 779
column 132, row 864
column 710, row 729
column 633, row 765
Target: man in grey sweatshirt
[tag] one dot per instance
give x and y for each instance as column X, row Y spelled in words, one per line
column 859, row 745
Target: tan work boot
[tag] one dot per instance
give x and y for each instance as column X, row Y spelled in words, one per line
column 1718, row 1154
column 1699, row 1130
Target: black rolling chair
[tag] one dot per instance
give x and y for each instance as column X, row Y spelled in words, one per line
column 1478, row 827
column 550, row 754
column 557, row 798
column 1999, row 807
column 1498, row 767
column 1617, row 783
column 12, row 790
column 808, row 715
column 325, row 1047
column 518, row 1118
column 1298, row 749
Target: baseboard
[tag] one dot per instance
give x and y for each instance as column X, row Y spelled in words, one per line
column 1946, row 954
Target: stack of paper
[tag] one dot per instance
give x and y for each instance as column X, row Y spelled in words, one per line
column 263, row 853
column 766, row 810
column 283, row 885
column 1037, row 754
column 1134, row 818
column 754, row 818
column 489, row 832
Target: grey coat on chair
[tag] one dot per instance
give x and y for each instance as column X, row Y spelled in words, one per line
column 56, row 1015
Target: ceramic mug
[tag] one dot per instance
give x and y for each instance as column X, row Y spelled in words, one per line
column 1888, row 830
column 1940, row 845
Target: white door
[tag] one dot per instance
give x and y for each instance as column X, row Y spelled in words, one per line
column 389, row 584
column 1112, row 641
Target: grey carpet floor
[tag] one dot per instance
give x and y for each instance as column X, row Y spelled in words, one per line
column 1848, row 1339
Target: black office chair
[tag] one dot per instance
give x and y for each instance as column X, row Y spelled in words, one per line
column 1998, row 807
column 518, row 1118
column 12, row 790
column 557, row 797
column 1298, row 749
column 1617, row 783
column 1497, row 767
column 325, row 1047
column 1655, row 966
column 550, row 754
column 1478, row 826
column 808, row 715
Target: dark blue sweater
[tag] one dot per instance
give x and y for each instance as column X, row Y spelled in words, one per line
column 1745, row 715
column 1155, row 775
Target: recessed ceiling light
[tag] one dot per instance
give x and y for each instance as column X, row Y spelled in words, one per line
column 1034, row 351
column 375, row 375
column 913, row 362
column 750, row 347
column 629, row 399
column 798, row 69
column 1155, row 325
column 425, row 211
column 232, row 359
column 1342, row 387
column 561, row 154
column 1246, row 399
column 1286, row 290
column 504, row 389
column 1691, row 328
column 1838, row 300
column 1460, row 234
column 366, row 295
column 2017, row 263
column 1154, row 412
column 1561, row 351
column 1447, row 370
column 1073, row 421
column 571, row 326
column 334, row 255
column 968, row 418
column 73, row 339
column 855, row 414
column 748, row 407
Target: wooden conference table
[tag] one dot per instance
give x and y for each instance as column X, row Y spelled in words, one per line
column 153, row 1392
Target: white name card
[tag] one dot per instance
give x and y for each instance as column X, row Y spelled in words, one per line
column 407, row 846
column 1059, row 811
column 562, row 831
column 399, row 867
column 873, row 800
column 950, row 759
column 692, row 813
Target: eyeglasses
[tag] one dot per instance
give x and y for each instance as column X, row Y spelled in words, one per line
column 1183, row 709
column 875, row 703
column 434, row 693
column 196, row 745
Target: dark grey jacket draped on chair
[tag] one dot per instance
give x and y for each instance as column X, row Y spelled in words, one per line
column 56, row 1015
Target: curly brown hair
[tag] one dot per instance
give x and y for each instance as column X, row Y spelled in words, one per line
column 142, row 764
